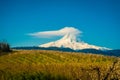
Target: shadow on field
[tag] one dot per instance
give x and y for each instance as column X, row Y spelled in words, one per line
column 30, row 76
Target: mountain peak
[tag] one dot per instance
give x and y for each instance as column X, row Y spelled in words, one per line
column 71, row 41
column 69, row 38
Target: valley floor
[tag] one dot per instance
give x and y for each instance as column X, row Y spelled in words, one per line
column 56, row 65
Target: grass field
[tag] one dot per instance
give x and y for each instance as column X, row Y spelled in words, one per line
column 55, row 65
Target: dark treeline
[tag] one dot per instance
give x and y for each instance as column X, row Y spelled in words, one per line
column 4, row 47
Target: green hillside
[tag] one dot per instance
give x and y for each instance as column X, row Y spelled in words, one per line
column 55, row 65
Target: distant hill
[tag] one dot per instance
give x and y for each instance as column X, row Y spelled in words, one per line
column 93, row 51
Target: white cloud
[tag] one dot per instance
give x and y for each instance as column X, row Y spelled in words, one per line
column 61, row 32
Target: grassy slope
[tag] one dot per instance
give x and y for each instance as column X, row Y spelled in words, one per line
column 55, row 65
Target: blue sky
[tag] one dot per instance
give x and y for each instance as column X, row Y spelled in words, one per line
column 99, row 20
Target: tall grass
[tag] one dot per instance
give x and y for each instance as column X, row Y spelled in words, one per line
column 55, row 65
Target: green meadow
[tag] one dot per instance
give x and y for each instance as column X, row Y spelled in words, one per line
column 56, row 65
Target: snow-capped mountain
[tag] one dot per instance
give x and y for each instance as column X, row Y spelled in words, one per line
column 71, row 41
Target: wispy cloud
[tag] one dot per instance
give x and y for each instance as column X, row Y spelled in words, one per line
column 61, row 32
